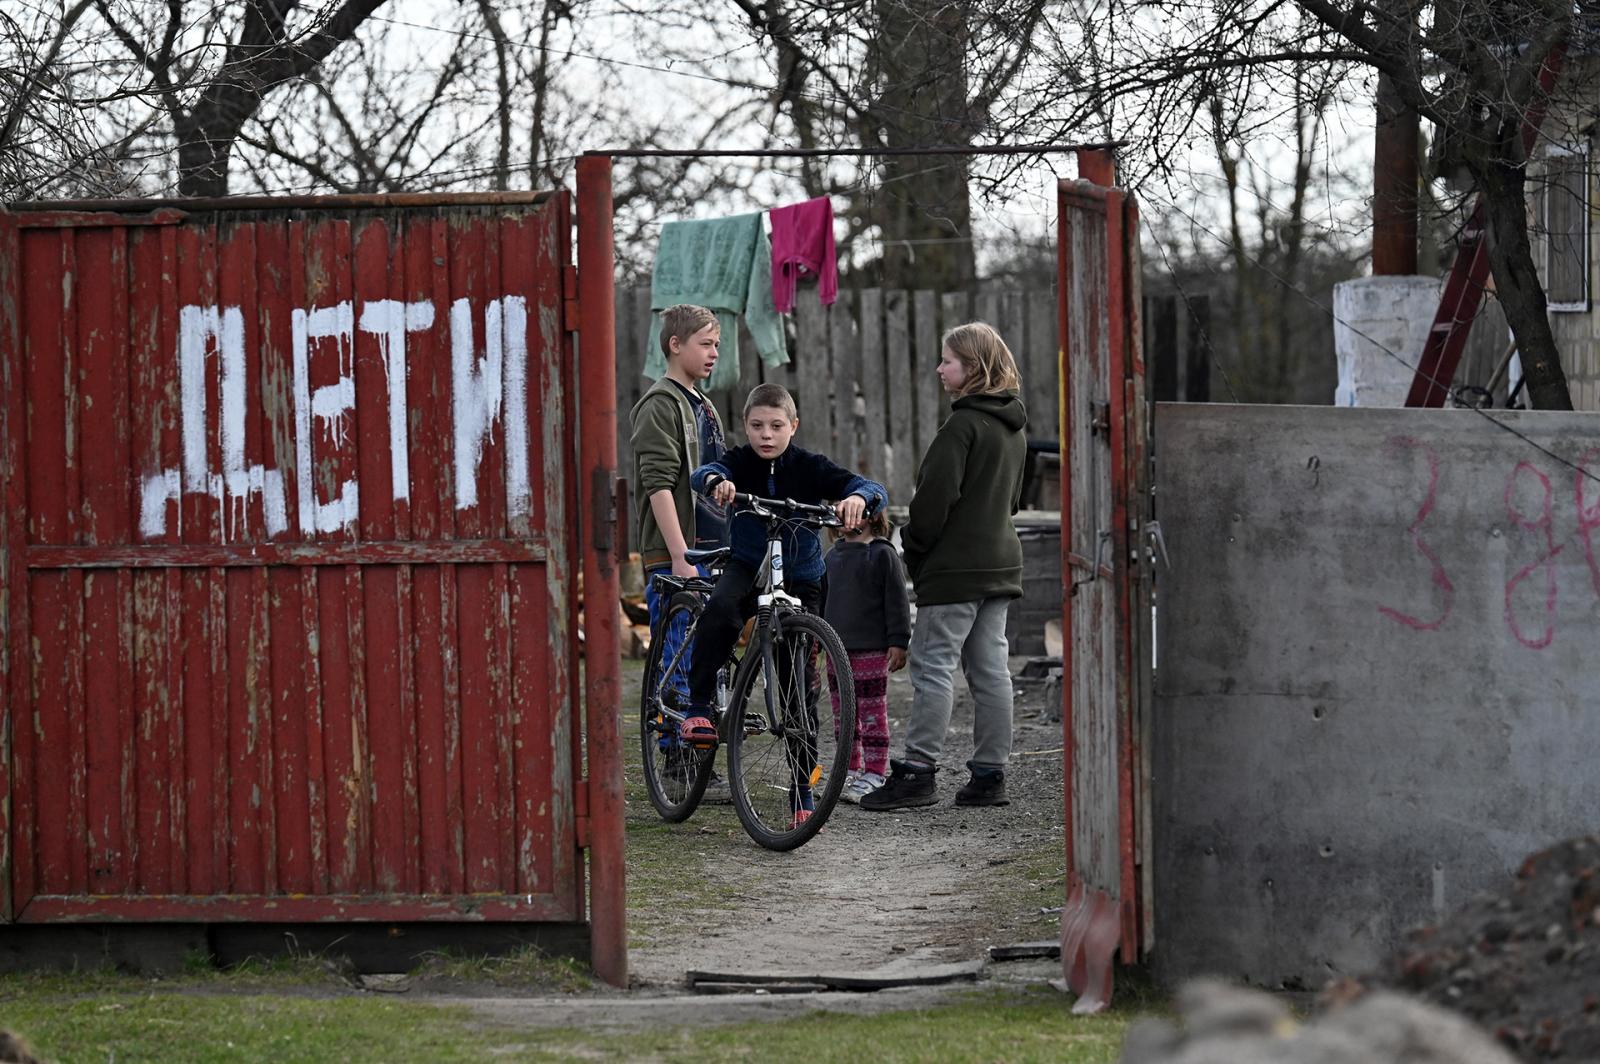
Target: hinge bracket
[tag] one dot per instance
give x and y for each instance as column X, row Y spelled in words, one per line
column 571, row 319
column 580, row 805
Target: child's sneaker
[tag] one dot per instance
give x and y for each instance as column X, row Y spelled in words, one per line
column 849, row 785
column 861, row 785
column 800, row 817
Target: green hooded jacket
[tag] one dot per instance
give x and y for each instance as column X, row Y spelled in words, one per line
column 666, row 449
column 959, row 542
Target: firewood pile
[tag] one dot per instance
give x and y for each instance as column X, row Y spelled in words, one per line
column 633, row 614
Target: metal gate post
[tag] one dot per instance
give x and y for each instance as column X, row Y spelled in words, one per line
column 15, row 663
column 597, row 420
column 1098, row 166
column 1065, row 398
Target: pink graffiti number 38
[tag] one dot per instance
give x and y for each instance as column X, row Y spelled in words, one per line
column 1541, row 522
column 1441, row 579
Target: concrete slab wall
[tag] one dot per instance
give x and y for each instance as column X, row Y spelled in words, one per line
column 1378, row 683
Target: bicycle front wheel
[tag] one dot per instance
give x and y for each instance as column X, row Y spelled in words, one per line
column 675, row 775
column 791, row 722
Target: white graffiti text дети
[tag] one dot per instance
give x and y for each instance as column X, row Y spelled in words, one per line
column 488, row 383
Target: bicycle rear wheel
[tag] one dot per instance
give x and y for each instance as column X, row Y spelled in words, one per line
column 791, row 721
column 674, row 775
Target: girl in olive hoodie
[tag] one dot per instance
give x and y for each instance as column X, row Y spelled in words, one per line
column 965, row 562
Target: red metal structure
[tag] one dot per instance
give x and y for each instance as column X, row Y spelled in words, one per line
column 1105, row 602
column 289, row 548
column 603, row 650
column 1469, row 272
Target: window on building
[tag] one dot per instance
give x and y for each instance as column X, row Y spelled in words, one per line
column 1561, row 218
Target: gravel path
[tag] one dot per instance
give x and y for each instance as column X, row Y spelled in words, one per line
column 936, row 884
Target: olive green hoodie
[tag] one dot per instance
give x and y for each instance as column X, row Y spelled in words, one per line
column 960, row 544
column 666, row 449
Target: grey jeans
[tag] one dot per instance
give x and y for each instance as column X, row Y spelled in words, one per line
column 973, row 635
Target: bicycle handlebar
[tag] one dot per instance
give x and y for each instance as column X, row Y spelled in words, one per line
column 824, row 515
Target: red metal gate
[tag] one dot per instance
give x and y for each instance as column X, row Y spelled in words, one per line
column 288, row 561
column 1106, row 649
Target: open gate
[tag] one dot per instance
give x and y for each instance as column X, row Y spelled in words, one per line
column 1106, row 645
column 289, row 554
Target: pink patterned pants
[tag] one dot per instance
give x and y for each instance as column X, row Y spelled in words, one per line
column 870, row 750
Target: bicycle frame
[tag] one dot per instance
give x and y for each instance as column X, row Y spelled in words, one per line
column 786, row 737
column 772, row 602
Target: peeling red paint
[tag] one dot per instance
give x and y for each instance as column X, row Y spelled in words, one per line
column 251, row 693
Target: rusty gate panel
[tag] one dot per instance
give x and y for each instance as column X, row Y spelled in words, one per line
column 286, row 556
column 1102, row 517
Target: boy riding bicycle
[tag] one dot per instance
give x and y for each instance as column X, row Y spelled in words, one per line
column 767, row 465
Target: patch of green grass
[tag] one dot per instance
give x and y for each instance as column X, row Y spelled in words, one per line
column 526, row 967
column 203, row 1028
column 1017, row 1028
column 670, row 866
column 1011, row 894
column 256, row 973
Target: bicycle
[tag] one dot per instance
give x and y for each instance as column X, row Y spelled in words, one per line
column 790, row 716
column 675, row 775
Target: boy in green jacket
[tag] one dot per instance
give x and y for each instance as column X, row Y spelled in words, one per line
column 676, row 430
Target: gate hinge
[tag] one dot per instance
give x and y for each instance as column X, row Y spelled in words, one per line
column 606, row 499
column 570, row 318
column 580, row 806
column 1158, row 542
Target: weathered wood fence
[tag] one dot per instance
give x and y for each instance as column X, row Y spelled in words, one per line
column 862, row 371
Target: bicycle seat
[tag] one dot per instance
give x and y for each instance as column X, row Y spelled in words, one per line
column 710, row 558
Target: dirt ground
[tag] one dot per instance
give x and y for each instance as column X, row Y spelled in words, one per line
column 914, row 891
column 919, row 886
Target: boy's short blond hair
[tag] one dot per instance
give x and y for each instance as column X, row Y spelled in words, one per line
column 773, row 395
column 682, row 321
column 989, row 365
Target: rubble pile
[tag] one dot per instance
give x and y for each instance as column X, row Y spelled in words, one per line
column 1524, row 965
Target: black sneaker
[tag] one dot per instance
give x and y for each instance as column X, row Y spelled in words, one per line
column 908, row 786
column 984, row 787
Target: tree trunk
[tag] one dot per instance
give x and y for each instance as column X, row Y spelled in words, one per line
column 503, row 101
column 924, row 202
column 202, row 160
column 1517, row 284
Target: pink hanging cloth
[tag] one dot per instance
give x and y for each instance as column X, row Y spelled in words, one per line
column 802, row 246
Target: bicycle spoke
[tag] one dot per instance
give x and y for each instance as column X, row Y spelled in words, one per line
column 675, row 775
column 790, row 766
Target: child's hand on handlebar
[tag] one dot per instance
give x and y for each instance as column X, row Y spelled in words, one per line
column 723, row 492
column 852, row 509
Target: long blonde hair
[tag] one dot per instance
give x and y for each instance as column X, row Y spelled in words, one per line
column 990, row 367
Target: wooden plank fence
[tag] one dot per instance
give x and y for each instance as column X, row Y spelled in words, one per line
column 862, row 372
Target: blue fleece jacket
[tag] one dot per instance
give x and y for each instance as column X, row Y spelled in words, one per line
column 795, row 474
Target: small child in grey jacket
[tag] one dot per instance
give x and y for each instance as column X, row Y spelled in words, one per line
column 867, row 605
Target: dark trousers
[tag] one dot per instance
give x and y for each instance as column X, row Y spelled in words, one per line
column 730, row 605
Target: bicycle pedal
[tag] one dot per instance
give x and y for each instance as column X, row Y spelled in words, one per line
column 754, row 724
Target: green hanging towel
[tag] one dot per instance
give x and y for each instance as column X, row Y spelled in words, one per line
column 724, row 265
